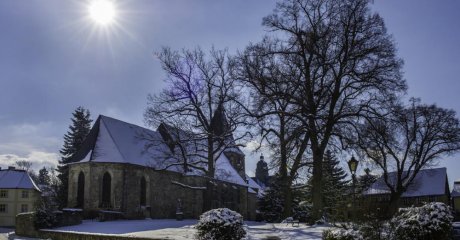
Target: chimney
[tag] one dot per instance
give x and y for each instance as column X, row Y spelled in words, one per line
column 11, row 168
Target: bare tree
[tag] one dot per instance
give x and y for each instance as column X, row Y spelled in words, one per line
column 23, row 165
column 196, row 110
column 275, row 117
column 407, row 140
column 342, row 63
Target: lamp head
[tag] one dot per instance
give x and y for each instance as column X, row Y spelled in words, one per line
column 353, row 165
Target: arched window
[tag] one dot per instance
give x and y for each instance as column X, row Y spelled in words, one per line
column 143, row 192
column 81, row 190
column 106, row 190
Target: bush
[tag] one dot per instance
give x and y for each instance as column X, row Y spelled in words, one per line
column 342, row 234
column 45, row 216
column 374, row 229
column 430, row 221
column 220, row 224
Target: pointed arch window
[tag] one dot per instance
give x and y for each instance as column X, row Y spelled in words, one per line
column 143, row 192
column 106, row 190
column 81, row 190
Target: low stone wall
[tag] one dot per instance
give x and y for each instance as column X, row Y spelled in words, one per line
column 86, row 236
column 69, row 217
column 25, row 222
column 25, row 225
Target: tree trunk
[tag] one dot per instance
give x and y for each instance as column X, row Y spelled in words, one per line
column 208, row 193
column 287, row 200
column 207, row 196
column 393, row 206
column 317, row 195
column 285, row 183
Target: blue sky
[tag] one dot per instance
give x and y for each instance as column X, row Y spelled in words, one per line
column 53, row 58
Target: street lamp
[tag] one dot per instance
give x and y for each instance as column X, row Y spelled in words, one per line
column 353, row 165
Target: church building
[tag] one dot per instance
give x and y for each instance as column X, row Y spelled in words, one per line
column 126, row 168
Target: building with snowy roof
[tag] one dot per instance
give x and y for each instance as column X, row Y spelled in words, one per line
column 18, row 193
column 456, row 196
column 430, row 185
column 139, row 172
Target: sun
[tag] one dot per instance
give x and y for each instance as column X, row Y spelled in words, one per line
column 102, row 12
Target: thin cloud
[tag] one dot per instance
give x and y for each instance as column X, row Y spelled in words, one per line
column 38, row 159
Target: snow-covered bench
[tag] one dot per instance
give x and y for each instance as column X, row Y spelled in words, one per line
column 291, row 220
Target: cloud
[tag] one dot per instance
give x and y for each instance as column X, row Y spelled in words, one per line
column 34, row 142
column 24, row 138
column 38, row 159
column 253, row 146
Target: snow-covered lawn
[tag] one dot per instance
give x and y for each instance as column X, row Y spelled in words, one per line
column 172, row 229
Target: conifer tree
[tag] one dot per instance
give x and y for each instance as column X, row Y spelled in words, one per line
column 271, row 204
column 333, row 183
column 73, row 139
column 366, row 180
column 44, row 177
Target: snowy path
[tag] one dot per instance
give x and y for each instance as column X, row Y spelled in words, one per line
column 283, row 231
column 181, row 230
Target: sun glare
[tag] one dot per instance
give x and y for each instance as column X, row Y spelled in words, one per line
column 102, row 11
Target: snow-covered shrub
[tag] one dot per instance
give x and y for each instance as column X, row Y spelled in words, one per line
column 430, row 221
column 342, row 234
column 45, row 215
column 374, row 229
column 220, row 224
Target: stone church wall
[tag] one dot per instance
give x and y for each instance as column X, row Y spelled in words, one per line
column 164, row 191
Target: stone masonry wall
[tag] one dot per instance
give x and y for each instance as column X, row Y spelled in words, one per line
column 164, row 189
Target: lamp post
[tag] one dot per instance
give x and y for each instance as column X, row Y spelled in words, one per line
column 353, row 165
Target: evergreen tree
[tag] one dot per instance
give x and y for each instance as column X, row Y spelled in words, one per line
column 333, row 184
column 366, row 180
column 271, row 204
column 73, row 139
column 43, row 176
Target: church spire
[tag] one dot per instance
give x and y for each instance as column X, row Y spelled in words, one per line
column 219, row 123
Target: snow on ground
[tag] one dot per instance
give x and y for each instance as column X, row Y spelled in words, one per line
column 181, row 230
column 284, row 231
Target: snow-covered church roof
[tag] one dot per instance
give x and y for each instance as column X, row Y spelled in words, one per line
column 254, row 187
column 114, row 141
column 16, row 179
column 428, row 182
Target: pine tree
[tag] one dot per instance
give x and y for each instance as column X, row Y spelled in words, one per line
column 73, row 139
column 333, row 184
column 366, row 180
column 43, row 176
column 271, row 204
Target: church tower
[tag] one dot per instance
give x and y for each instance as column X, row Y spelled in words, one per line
column 262, row 171
column 220, row 128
